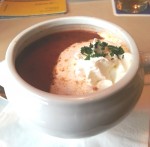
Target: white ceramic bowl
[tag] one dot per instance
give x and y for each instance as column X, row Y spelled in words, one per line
column 72, row 117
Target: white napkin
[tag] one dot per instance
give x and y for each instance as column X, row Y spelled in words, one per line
column 131, row 132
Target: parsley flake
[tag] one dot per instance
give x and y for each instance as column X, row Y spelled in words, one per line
column 101, row 49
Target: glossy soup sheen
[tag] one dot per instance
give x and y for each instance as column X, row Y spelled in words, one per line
column 35, row 64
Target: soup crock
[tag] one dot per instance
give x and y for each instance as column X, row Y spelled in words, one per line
column 71, row 116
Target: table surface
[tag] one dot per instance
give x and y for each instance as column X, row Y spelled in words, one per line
column 137, row 26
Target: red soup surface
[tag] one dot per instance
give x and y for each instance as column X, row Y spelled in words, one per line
column 36, row 62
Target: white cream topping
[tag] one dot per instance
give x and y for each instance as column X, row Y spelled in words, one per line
column 73, row 75
column 101, row 72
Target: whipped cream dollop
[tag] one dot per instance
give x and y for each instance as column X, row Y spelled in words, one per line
column 101, row 72
column 73, row 75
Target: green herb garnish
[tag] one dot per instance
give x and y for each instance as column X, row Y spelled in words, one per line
column 101, row 49
column 114, row 50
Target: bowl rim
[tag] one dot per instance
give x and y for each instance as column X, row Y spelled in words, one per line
column 45, row 96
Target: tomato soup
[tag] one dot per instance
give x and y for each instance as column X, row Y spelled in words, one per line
column 36, row 62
